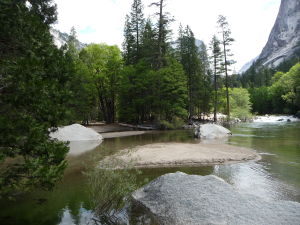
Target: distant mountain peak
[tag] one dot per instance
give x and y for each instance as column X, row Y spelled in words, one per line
column 61, row 38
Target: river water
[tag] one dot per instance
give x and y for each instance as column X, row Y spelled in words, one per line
column 275, row 177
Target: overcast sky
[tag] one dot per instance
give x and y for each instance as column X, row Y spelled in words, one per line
column 251, row 21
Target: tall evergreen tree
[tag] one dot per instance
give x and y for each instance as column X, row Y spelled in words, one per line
column 147, row 43
column 72, row 44
column 134, row 26
column 163, row 32
column 226, row 42
column 128, row 43
column 205, row 88
column 216, row 57
column 83, row 103
column 34, row 83
column 188, row 54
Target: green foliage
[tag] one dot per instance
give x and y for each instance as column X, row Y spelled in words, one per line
column 148, row 53
column 226, row 42
column 216, row 58
column 261, row 101
column 258, row 75
column 176, row 123
column 133, row 33
column 285, row 91
column 136, row 94
column 152, row 95
column 170, row 91
column 195, row 64
column 103, row 64
column 282, row 96
column 109, row 189
column 162, row 33
column 240, row 104
column 34, row 87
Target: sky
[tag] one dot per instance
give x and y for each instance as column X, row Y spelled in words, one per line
column 102, row 21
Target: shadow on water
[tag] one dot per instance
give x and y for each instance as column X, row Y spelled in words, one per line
column 276, row 176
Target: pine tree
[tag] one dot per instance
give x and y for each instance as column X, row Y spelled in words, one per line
column 34, row 83
column 147, row 43
column 163, row 32
column 188, row 55
column 226, row 42
column 134, row 25
column 216, row 57
column 205, row 92
column 72, row 43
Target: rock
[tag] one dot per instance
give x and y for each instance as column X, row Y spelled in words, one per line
column 211, row 131
column 75, row 132
column 284, row 39
column 280, row 119
column 181, row 199
column 60, row 39
column 288, row 120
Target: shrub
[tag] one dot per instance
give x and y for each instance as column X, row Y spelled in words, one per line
column 110, row 185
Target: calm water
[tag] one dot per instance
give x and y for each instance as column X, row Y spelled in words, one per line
column 276, row 176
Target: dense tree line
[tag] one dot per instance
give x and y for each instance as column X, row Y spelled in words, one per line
column 267, row 94
column 154, row 79
column 282, row 96
column 148, row 48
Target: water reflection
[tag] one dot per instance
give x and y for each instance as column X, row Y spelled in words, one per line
column 276, row 176
column 79, row 147
column 255, row 178
column 84, row 217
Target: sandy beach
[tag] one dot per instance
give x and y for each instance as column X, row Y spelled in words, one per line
column 186, row 154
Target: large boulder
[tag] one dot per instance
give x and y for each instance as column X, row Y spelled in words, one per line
column 81, row 139
column 75, row 132
column 181, row 199
column 211, row 131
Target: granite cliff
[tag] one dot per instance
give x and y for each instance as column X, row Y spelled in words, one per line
column 284, row 39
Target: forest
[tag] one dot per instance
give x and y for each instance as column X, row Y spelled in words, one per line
column 153, row 79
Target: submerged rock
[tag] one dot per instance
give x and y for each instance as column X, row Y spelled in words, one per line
column 181, row 199
column 211, row 131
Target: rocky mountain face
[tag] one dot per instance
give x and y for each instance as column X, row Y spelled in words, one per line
column 61, row 38
column 284, row 39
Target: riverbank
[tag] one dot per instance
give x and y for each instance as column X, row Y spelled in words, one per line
column 185, row 154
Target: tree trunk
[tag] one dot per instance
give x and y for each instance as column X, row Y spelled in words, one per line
column 226, row 80
column 216, row 91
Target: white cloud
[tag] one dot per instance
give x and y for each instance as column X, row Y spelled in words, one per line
column 102, row 20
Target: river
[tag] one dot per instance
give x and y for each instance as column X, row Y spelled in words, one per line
column 275, row 177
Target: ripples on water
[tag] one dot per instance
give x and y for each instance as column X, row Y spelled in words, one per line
column 275, row 177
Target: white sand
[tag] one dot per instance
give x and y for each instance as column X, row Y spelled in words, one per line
column 184, row 154
column 122, row 134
